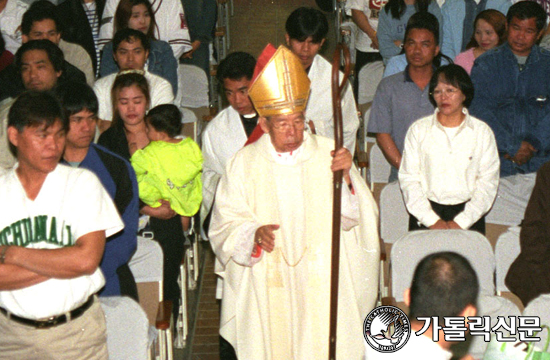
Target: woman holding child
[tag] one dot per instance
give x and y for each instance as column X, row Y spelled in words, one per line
column 128, row 135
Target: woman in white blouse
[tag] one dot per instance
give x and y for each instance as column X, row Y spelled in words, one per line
column 450, row 169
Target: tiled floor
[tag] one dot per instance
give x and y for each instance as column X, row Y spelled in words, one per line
column 255, row 24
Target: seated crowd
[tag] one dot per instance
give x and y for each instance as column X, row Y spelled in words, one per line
column 91, row 84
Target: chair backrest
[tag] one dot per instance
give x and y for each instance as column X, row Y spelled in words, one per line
column 369, row 78
column 192, row 88
column 512, row 198
column 127, row 328
column 379, row 168
column 394, row 218
column 506, row 251
column 540, row 307
column 492, row 306
column 410, row 249
column 147, row 267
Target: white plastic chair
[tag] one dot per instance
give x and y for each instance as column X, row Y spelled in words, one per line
column 379, row 168
column 410, row 249
column 147, row 267
column 128, row 335
column 540, row 307
column 394, row 218
column 193, row 87
column 369, row 78
column 512, row 198
column 506, row 251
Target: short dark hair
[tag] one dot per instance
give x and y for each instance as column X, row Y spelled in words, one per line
column 424, row 21
column 124, row 12
column 456, row 76
column 130, row 35
column 38, row 11
column 524, row 10
column 75, row 97
column 443, row 284
column 123, row 80
column 236, row 66
column 305, row 22
column 165, row 118
column 36, row 108
column 55, row 55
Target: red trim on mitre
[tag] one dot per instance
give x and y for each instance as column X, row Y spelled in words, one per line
column 263, row 59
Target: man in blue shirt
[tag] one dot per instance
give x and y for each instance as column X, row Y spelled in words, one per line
column 512, row 92
column 118, row 178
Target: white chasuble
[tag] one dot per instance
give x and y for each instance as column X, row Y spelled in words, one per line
column 278, row 307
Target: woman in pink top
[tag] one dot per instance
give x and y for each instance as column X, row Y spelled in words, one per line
column 490, row 32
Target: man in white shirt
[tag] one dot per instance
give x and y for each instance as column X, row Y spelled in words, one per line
column 51, row 242
column 131, row 49
column 228, row 131
column 306, row 31
column 444, row 284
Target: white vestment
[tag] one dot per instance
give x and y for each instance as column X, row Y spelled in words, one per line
column 221, row 140
column 277, row 306
column 319, row 106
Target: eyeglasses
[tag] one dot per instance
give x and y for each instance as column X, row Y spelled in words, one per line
column 285, row 125
column 446, row 92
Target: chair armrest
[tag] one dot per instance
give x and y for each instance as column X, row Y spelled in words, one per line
column 164, row 315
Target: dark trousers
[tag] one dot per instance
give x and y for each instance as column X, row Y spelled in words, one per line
column 169, row 234
column 447, row 213
column 127, row 282
column 362, row 59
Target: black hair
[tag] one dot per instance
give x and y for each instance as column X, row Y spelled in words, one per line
column 55, row 55
column 127, row 79
column 424, row 21
column 76, row 97
column 235, row 66
column 524, row 10
column 398, row 7
column 305, row 22
column 456, row 76
column 443, row 284
column 165, row 118
column 36, row 108
column 38, row 11
column 130, row 35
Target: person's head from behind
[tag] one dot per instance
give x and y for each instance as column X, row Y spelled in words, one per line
column 489, row 30
column 130, row 98
column 130, row 49
column 451, row 89
column 421, row 40
column 163, row 122
column 137, row 15
column 306, row 32
column 40, row 21
column 235, row 74
column 80, row 106
column 36, row 131
column 444, row 284
column 40, row 64
column 526, row 22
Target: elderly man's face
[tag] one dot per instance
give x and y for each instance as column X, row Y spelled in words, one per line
column 286, row 131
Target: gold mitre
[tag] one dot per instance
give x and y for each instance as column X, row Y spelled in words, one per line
column 282, row 87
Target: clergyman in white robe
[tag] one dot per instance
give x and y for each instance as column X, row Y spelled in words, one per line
column 276, row 306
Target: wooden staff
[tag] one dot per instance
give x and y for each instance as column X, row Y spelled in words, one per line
column 337, row 89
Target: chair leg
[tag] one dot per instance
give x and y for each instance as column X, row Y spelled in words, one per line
column 182, row 321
